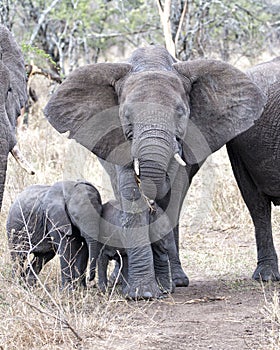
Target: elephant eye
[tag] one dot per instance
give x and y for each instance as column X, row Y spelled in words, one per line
column 180, row 111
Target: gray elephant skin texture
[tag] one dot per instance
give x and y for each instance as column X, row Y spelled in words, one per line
column 111, row 246
column 255, row 159
column 135, row 116
column 13, row 96
column 61, row 219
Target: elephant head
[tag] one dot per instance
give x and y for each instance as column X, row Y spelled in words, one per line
column 78, row 204
column 13, row 96
column 151, row 108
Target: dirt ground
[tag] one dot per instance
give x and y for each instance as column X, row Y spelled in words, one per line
column 206, row 315
column 212, row 314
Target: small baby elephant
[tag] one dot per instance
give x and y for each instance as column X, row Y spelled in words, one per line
column 63, row 219
column 162, row 240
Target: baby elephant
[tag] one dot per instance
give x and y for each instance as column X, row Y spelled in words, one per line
column 63, row 219
column 162, row 240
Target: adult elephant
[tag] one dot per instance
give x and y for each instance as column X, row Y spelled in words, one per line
column 13, row 96
column 136, row 116
column 62, row 218
column 255, row 159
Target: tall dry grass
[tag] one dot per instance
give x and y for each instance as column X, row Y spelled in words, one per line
column 217, row 241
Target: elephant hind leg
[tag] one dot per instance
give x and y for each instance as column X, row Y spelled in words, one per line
column 259, row 206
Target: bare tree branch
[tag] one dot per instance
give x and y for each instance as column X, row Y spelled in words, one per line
column 164, row 13
column 181, row 23
column 41, row 20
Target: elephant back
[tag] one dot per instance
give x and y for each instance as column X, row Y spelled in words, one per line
column 26, row 217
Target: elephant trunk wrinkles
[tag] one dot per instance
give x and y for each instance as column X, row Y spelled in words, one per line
column 153, row 150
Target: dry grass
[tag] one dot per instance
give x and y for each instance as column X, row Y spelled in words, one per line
column 45, row 318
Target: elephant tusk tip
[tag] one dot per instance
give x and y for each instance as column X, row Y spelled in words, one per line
column 22, row 161
column 179, row 159
column 136, row 166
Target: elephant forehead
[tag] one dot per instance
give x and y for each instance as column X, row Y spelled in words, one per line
column 151, row 58
column 164, row 88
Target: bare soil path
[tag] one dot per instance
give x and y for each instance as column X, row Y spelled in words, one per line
column 212, row 314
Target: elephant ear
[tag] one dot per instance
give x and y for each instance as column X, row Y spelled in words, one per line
column 83, row 205
column 86, row 105
column 224, row 102
column 12, row 58
column 265, row 74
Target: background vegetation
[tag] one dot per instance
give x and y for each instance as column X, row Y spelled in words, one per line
column 216, row 231
column 74, row 32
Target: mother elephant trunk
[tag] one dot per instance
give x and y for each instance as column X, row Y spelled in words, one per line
column 152, row 151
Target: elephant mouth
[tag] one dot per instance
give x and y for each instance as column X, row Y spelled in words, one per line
column 153, row 187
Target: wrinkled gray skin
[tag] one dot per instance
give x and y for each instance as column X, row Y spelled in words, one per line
column 13, row 95
column 111, row 246
column 150, row 108
column 63, row 219
column 255, row 159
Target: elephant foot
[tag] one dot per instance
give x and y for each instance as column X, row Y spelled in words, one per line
column 139, row 292
column 180, row 279
column 267, row 271
column 166, row 285
column 102, row 287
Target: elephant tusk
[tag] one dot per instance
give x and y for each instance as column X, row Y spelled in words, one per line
column 136, row 166
column 21, row 160
column 179, row 159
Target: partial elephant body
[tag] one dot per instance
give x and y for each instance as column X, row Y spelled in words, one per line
column 13, row 96
column 161, row 236
column 137, row 117
column 255, row 159
column 43, row 221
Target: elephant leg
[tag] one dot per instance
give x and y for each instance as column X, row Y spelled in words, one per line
column 78, row 261
column 179, row 277
column 102, row 263
column 259, row 206
column 181, row 182
column 162, row 267
column 135, row 239
column 68, row 250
